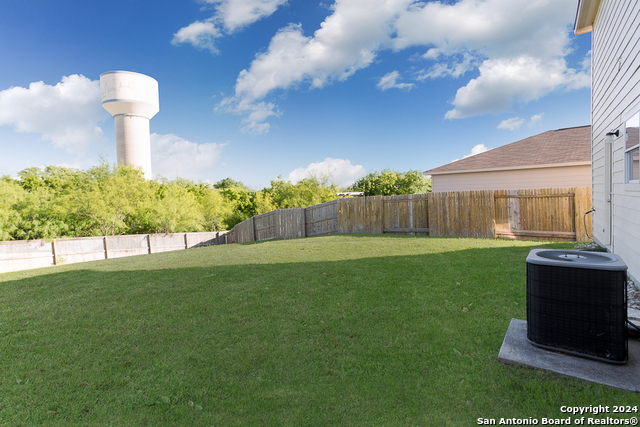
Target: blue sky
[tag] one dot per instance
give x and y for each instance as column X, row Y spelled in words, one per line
column 256, row 89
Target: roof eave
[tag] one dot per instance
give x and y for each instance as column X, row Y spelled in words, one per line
column 585, row 16
column 507, row 168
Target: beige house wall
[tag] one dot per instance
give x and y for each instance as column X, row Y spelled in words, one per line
column 547, row 177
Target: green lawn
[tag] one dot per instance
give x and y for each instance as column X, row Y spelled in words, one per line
column 332, row 331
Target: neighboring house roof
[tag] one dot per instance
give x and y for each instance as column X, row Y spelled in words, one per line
column 552, row 148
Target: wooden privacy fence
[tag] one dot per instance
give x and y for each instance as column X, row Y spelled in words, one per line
column 557, row 213
column 550, row 214
column 461, row 214
column 278, row 224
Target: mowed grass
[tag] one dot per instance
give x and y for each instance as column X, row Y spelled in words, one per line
column 332, row 331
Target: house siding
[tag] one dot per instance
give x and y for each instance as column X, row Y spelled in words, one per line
column 550, row 177
column 615, row 97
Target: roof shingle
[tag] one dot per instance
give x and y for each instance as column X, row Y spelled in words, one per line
column 555, row 146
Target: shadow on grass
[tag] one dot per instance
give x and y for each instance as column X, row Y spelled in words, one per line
column 385, row 340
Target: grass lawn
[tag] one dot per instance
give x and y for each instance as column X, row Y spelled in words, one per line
column 332, row 331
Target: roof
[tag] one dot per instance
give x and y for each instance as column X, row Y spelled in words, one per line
column 561, row 146
column 585, row 16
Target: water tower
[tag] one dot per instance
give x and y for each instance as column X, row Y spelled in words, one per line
column 132, row 99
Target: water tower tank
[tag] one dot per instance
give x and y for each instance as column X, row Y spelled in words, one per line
column 132, row 99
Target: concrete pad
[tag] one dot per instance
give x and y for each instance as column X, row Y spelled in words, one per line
column 517, row 350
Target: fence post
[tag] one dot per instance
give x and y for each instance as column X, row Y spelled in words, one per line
column 304, row 222
column 410, row 207
column 381, row 228
column 434, row 217
column 492, row 210
column 253, row 228
column 53, row 248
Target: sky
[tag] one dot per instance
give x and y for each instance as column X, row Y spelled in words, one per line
column 260, row 89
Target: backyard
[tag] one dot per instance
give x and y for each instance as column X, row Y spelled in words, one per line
column 348, row 330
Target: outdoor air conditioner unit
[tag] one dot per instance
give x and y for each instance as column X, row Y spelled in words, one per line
column 577, row 303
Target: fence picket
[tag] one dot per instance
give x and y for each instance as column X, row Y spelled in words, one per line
column 558, row 214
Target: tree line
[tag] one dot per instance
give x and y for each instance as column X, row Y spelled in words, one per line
column 106, row 200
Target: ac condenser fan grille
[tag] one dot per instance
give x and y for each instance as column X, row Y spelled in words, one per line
column 576, row 308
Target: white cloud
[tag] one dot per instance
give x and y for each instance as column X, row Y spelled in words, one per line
column 229, row 16
column 535, row 119
column 503, row 81
column 518, row 42
column 66, row 114
column 582, row 79
column 200, row 34
column 586, row 62
column 236, row 14
column 454, row 68
column 490, row 27
column 518, row 47
column 171, row 155
column 255, row 113
column 511, row 124
column 515, row 123
column 432, row 53
column 340, row 172
column 390, row 81
column 477, row 149
column 346, row 42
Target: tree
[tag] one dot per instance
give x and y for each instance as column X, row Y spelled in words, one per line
column 109, row 198
column 306, row 192
column 223, row 184
column 41, row 215
column 213, row 209
column 56, row 178
column 245, row 204
column 391, row 183
column 43, row 211
column 173, row 209
column 10, row 193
